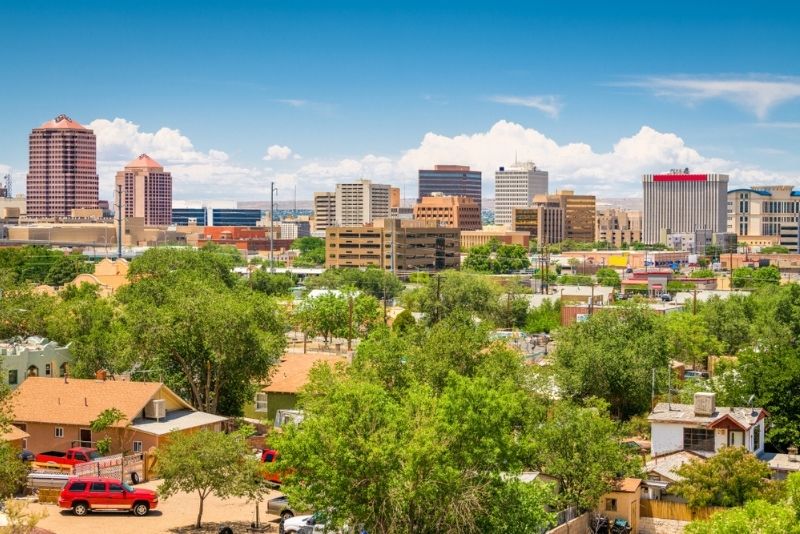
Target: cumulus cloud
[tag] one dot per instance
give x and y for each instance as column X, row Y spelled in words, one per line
column 548, row 104
column 279, row 152
column 755, row 94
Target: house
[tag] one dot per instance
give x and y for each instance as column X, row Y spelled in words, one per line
column 622, row 502
column 782, row 465
column 57, row 414
column 34, row 356
column 289, row 376
column 704, row 428
column 661, row 474
column 109, row 275
column 16, row 437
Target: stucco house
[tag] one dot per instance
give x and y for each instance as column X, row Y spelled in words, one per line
column 661, row 474
column 623, row 502
column 34, row 356
column 57, row 414
column 704, row 428
column 109, row 275
column 16, row 437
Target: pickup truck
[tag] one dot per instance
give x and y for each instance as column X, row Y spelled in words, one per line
column 73, row 456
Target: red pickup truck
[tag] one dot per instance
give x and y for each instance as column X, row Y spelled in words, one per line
column 73, row 456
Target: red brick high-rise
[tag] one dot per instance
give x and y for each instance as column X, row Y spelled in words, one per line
column 147, row 191
column 62, row 172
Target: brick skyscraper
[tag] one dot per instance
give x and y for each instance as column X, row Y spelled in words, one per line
column 147, row 191
column 62, row 172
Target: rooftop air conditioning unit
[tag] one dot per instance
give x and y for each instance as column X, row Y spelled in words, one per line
column 156, row 409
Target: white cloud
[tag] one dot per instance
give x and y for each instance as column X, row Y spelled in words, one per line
column 548, row 104
column 757, row 95
column 279, row 152
column 294, row 102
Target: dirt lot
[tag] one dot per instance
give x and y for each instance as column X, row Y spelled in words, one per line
column 176, row 514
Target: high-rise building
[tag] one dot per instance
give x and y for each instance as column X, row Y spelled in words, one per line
column 555, row 218
column 453, row 180
column 146, row 191
column 515, row 187
column 294, row 229
column 361, row 202
column 679, row 202
column 765, row 210
column 450, row 212
column 324, row 211
column 394, row 197
column 544, row 222
column 62, row 172
column 618, row 227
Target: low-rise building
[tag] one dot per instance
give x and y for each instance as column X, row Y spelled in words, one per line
column 474, row 238
column 109, row 275
column 31, row 357
column 618, row 227
column 449, row 211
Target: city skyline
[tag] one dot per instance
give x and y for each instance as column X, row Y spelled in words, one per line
column 378, row 92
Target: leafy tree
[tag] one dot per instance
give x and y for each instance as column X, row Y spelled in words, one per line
column 748, row 277
column 209, row 462
column 731, row 477
column 157, row 265
column 28, row 263
column 606, row 276
column 23, row 311
column 612, row 356
column 545, row 318
column 324, row 315
column 729, row 319
column 703, row 273
column 496, row 258
column 512, row 307
column 580, row 448
column 774, row 249
column 374, row 281
column 108, row 419
column 12, row 471
column 575, row 280
column 449, row 291
column 758, row 516
column 66, row 268
column 689, row 340
column 312, row 251
column 272, row 284
column 404, row 322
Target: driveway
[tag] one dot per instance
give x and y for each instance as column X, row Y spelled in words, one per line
column 176, row 514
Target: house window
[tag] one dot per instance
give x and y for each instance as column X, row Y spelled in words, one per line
column 261, row 402
column 33, row 371
column 611, row 505
column 59, row 432
column 756, row 437
column 698, row 439
column 137, row 446
column 12, row 377
column 47, row 369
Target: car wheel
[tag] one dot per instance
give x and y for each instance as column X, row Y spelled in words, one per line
column 135, row 477
column 287, row 514
column 140, row 509
column 80, row 509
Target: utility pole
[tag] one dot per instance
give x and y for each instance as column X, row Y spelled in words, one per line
column 272, row 191
column 119, row 221
column 350, row 321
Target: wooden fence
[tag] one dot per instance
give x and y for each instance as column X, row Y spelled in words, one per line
column 677, row 511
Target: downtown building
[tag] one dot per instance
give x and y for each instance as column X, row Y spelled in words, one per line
column 449, row 211
column 62, row 169
column 361, row 202
column 450, row 180
column 555, row 218
column 618, row 227
column 146, row 191
column 515, row 187
column 214, row 213
column 683, row 203
column 765, row 215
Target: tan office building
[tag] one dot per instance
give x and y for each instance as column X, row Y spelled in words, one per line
column 559, row 217
column 449, row 211
column 146, row 191
column 393, row 244
column 361, row 202
column 474, row 238
column 618, row 227
column 324, row 211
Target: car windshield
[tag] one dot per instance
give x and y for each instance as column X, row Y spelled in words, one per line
column 94, row 455
column 127, row 487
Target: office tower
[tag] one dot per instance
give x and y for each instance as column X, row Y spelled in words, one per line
column 765, row 211
column 62, row 172
column 394, row 197
column 516, row 186
column 679, row 202
column 324, row 211
column 452, row 180
column 147, row 191
column 448, row 211
column 555, row 218
column 618, row 227
column 361, row 202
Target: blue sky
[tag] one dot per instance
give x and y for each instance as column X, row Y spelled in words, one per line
column 343, row 90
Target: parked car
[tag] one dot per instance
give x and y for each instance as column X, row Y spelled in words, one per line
column 312, row 524
column 270, row 456
column 666, row 297
column 73, row 456
column 689, row 375
column 280, row 507
column 26, row 456
column 83, row 494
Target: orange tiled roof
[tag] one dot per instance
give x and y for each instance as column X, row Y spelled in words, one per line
column 144, row 161
column 62, row 122
column 78, row 402
column 14, row 434
column 291, row 373
column 628, row 485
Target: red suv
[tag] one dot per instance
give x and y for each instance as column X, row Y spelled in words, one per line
column 92, row 493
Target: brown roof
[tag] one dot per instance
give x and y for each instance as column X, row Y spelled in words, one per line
column 628, row 485
column 62, row 122
column 78, row 402
column 14, row 434
column 291, row 374
column 144, row 161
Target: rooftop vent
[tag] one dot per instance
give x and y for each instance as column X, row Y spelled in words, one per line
column 705, row 403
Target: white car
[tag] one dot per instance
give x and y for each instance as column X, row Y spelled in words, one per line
column 294, row 524
column 310, row 524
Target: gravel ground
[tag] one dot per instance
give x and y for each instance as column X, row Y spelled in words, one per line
column 176, row 514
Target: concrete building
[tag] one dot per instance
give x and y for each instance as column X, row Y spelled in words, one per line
column 544, row 222
column 62, row 171
column 618, row 227
column 324, row 211
column 699, row 241
column 146, row 191
column 449, row 211
column 474, row 238
column 214, row 213
column 555, row 218
column 294, row 229
column 34, row 356
column 361, row 202
column 679, row 202
column 393, row 244
column 452, row 180
column 515, row 186
column 765, row 211
column 394, row 197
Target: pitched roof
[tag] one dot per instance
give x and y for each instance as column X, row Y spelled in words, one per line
column 665, row 466
column 79, row 402
column 684, row 413
column 13, row 434
column 291, row 374
column 62, row 122
column 144, row 161
column 628, row 485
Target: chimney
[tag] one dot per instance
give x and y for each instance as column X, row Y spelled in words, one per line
column 792, row 453
column 100, row 375
column 66, row 375
column 705, row 403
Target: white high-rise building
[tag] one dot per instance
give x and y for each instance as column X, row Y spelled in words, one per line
column 361, row 202
column 682, row 203
column 324, row 211
column 515, row 187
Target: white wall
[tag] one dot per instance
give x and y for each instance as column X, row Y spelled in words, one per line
column 665, row 437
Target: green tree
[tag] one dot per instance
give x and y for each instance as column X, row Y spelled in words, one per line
column 544, row 318
column 731, row 477
column 774, row 249
column 12, row 471
column 112, row 419
column 497, row 258
column 206, row 462
column 377, row 282
column 23, row 311
column 575, row 280
column 748, row 277
column 606, row 276
column 703, row 273
column 612, row 356
column 729, row 320
column 272, row 284
column 689, row 340
column 312, row 251
column 66, row 268
column 28, row 263
column 449, row 291
column 757, row 516
column 404, row 322
column 324, row 315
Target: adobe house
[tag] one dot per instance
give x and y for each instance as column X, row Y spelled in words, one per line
column 16, row 437
column 623, row 502
column 57, row 414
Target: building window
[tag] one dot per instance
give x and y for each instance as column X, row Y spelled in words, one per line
column 137, row 446
column 12, row 377
column 611, row 505
column 59, row 432
column 33, row 371
column 756, row 437
column 261, row 402
column 47, row 369
column 698, row 439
